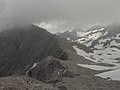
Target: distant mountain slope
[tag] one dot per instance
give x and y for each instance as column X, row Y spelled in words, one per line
column 104, row 44
column 71, row 35
column 98, row 35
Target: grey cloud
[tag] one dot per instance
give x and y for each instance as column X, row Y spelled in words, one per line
column 82, row 11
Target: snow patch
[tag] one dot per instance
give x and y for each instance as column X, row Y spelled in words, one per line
column 34, row 65
column 114, row 74
column 89, row 38
column 105, row 56
column 68, row 38
column 115, row 43
column 82, row 53
column 95, row 67
column 98, row 46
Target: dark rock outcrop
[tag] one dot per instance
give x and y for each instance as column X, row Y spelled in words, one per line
column 50, row 70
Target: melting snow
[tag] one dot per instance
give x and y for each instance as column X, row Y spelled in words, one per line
column 114, row 74
column 95, row 36
column 34, row 65
column 107, row 56
column 89, row 37
column 106, row 33
column 104, row 55
column 95, row 67
column 115, row 43
column 100, row 56
column 68, row 38
column 101, row 29
column 89, row 43
column 82, row 53
column 118, row 36
column 81, row 33
column 99, row 46
column 104, row 40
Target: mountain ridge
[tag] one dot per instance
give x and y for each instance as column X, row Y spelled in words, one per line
column 48, row 61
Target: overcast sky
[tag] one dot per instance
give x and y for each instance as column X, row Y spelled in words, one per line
column 82, row 11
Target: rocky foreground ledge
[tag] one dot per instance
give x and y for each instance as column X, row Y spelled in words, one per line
column 23, row 83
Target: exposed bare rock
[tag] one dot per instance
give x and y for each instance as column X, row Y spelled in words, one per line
column 23, row 83
column 50, row 70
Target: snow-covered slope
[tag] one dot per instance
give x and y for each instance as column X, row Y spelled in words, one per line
column 105, row 44
column 96, row 38
column 83, row 37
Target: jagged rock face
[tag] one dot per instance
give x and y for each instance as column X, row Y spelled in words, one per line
column 21, row 47
column 61, row 54
column 50, row 70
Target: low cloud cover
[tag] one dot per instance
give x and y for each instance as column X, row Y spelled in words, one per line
column 81, row 11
